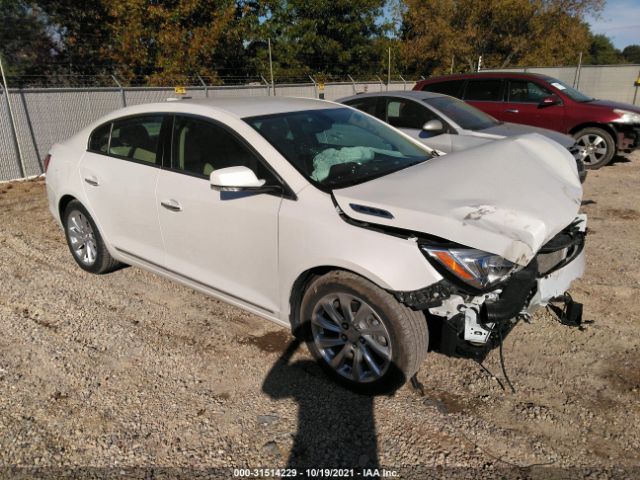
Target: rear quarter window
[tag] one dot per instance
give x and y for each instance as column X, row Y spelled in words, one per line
column 485, row 90
column 451, row 87
column 99, row 139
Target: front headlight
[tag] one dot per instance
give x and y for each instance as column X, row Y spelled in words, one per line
column 475, row 267
column 627, row 116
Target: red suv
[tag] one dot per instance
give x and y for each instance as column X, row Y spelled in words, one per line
column 601, row 127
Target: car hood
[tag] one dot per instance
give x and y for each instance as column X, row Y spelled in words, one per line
column 507, row 197
column 507, row 129
column 611, row 104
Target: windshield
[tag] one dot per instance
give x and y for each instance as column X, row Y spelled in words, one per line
column 466, row 116
column 338, row 147
column 570, row 92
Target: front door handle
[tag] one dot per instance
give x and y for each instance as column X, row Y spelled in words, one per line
column 512, row 110
column 172, row 205
column 92, row 181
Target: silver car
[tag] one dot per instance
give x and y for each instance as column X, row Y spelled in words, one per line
column 447, row 124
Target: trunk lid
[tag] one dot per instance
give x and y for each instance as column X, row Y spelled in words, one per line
column 507, row 197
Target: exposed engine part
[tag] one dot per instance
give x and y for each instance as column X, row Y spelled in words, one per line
column 513, row 297
column 475, row 332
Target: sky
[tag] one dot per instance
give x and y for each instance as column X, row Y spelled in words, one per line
column 620, row 21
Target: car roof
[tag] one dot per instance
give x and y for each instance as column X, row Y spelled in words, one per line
column 499, row 74
column 411, row 94
column 256, row 106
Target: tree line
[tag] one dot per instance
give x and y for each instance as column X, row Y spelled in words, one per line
column 161, row 41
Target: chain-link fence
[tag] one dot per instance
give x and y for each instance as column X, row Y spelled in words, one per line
column 33, row 119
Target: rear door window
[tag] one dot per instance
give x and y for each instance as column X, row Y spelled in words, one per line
column 136, row 138
column 452, row 88
column 523, row 91
column 367, row 105
column 484, row 90
column 403, row 113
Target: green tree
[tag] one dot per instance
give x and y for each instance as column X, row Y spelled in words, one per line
column 631, row 53
column 602, row 51
column 324, row 36
column 503, row 32
column 25, row 45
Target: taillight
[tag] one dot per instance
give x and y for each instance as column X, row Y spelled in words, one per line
column 47, row 160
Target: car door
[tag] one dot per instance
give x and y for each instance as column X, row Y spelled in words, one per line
column 119, row 173
column 226, row 241
column 486, row 94
column 410, row 116
column 524, row 105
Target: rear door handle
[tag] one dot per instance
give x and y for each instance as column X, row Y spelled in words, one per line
column 512, row 110
column 92, row 181
column 172, row 205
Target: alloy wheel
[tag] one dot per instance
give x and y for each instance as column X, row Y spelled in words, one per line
column 595, row 148
column 82, row 238
column 351, row 337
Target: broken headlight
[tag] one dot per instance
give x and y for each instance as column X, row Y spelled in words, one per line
column 475, row 267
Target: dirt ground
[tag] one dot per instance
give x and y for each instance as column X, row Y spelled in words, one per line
column 131, row 370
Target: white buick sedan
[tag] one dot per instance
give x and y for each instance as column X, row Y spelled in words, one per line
column 326, row 220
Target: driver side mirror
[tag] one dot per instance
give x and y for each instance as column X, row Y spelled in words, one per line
column 550, row 100
column 235, row 179
column 433, row 126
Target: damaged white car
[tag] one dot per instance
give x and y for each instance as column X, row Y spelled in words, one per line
column 322, row 218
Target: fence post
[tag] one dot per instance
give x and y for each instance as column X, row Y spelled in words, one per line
column 267, row 84
column 353, row 84
column 315, row 87
column 389, row 70
column 12, row 123
column 403, row 81
column 30, row 127
column 206, row 89
column 576, row 78
column 124, row 99
column 273, row 85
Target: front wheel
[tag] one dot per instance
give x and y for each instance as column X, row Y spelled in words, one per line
column 360, row 334
column 598, row 145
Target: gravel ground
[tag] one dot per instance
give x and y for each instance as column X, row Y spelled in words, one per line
column 131, row 370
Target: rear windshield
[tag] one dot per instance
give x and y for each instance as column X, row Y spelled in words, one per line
column 466, row 116
column 570, row 92
column 338, row 147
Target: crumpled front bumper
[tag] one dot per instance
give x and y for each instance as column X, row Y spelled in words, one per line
column 473, row 319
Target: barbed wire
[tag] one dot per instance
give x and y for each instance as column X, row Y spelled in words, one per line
column 160, row 79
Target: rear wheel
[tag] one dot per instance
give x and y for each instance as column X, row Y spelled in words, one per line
column 598, row 145
column 84, row 240
column 360, row 334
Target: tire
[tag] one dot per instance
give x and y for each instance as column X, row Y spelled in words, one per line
column 84, row 240
column 599, row 144
column 390, row 353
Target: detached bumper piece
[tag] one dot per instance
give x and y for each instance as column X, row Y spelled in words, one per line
column 570, row 314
